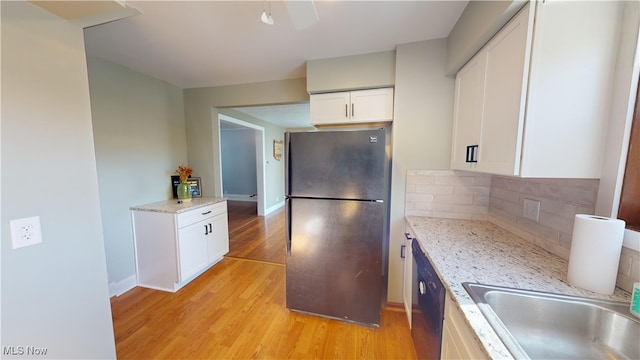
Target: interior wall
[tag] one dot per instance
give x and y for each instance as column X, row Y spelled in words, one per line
column 238, row 162
column 273, row 169
column 343, row 73
column 625, row 85
column 479, row 21
column 54, row 294
column 423, row 114
column 140, row 139
column 201, row 116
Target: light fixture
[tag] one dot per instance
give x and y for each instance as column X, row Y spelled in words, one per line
column 266, row 18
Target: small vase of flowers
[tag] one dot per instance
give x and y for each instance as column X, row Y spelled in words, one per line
column 184, row 188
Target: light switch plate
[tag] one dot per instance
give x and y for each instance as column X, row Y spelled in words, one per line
column 25, row 232
column 531, row 209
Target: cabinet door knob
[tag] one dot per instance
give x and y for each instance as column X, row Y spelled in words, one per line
column 346, row 110
column 206, row 229
column 403, row 249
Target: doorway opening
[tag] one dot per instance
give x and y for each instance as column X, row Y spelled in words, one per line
column 242, row 162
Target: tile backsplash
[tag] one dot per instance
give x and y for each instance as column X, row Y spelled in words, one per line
column 560, row 200
column 447, row 194
column 499, row 199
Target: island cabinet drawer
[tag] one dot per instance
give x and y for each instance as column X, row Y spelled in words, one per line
column 199, row 214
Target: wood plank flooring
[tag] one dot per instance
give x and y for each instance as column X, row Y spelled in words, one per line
column 241, row 213
column 237, row 310
column 256, row 237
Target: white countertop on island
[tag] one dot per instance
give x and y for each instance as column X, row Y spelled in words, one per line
column 478, row 251
column 176, row 206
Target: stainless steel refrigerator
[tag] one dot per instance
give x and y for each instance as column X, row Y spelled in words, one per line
column 337, row 186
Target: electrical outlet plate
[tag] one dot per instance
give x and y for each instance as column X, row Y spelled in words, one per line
column 531, row 209
column 25, row 232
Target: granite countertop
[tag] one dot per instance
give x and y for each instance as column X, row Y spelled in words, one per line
column 172, row 206
column 478, row 251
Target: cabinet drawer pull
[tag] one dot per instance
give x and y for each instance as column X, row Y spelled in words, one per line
column 205, row 213
column 206, row 230
column 346, row 110
column 472, row 154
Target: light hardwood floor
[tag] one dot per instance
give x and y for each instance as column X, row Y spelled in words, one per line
column 237, row 310
column 255, row 237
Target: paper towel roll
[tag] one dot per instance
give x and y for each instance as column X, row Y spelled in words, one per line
column 595, row 253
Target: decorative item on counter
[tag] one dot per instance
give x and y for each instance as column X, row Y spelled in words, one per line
column 595, row 253
column 194, row 182
column 184, row 188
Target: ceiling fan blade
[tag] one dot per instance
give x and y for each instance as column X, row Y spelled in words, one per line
column 302, row 13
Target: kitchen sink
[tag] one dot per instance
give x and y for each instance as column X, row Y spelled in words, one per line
column 539, row 325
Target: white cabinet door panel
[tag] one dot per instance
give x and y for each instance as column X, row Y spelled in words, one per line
column 192, row 249
column 329, row 108
column 408, row 278
column 218, row 239
column 372, row 105
column 467, row 117
column 569, row 96
column 506, row 59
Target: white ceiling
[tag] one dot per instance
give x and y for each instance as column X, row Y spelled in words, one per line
column 213, row 43
column 287, row 116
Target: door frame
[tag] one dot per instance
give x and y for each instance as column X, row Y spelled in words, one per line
column 260, row 160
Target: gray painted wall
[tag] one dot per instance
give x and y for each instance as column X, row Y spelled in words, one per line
column 54, row 295
column 140, row 139
column 479, row 21
column 423, row 116
column 201, row 115
column 238, row 161
column 274, row 170
column 351, row 72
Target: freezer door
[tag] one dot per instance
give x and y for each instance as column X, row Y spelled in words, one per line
column 337, row 164
column 334, row 266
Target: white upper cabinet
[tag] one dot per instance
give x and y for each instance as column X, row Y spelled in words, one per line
column 534, row 101
column 360, row 106
column 330, row 108
column 467, row 112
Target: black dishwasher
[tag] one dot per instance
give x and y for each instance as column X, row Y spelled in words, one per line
column 427, row 311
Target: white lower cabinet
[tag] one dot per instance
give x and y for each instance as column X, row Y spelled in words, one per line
column 218, row 238
column 458, row 341
column 192, row 248
column 408, row 278
column 173, row 248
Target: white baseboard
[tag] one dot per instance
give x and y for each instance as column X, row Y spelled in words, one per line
column 274, row 208
column 239, row 197
column 122, row 286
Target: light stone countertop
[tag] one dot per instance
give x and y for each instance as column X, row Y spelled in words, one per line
column 173, row 207
column 478, row 251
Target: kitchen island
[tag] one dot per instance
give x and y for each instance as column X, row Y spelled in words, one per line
column 478, row 251
column 177, row 240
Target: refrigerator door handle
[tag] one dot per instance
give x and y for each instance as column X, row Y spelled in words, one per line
column 287, row 225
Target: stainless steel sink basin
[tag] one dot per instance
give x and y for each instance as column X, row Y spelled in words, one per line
column 539, row 325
